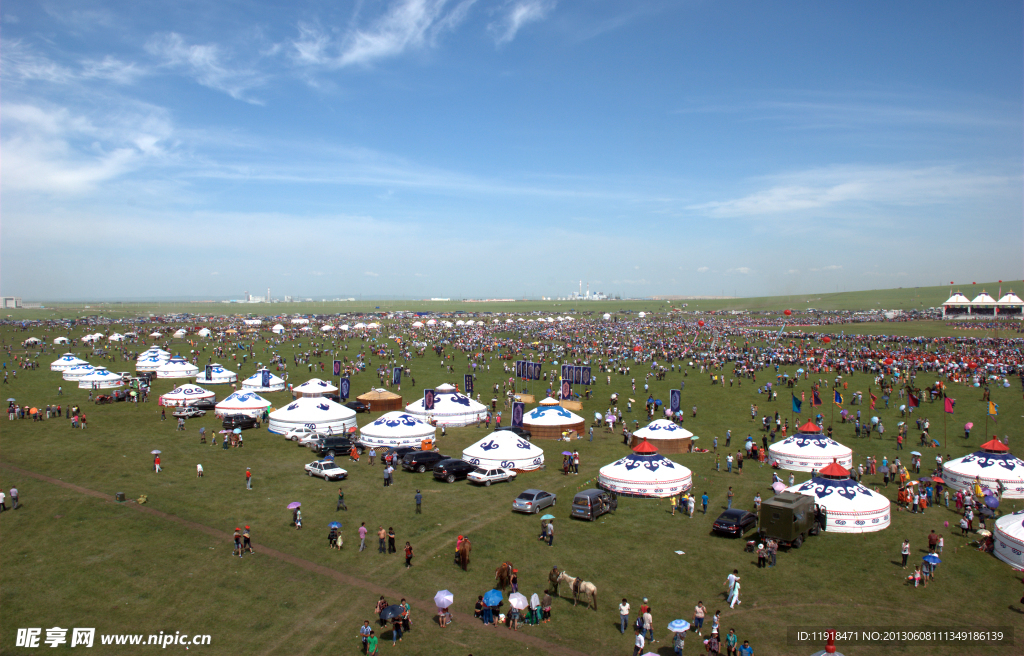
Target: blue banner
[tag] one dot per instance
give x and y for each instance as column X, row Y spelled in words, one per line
column 337, row 367
column 428, row 399
column 566, row 390
column 344, row 387
column 586, row 376
column 534, row 371
column 265, row 380
column 396, row 376
column 519, row 369
column 675, row 400
column 209, row 372
column 518, row 409
column 567, row 372
column 469, row 384
column 577, row 375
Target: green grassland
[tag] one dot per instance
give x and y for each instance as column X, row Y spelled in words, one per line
column 68, row 559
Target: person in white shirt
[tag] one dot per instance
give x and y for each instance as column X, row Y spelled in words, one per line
column 638, row 644
column 623, row 616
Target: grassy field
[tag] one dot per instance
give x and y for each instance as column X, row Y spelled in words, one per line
column 69, row 559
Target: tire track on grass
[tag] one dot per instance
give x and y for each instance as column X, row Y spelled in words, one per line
column 466, row 619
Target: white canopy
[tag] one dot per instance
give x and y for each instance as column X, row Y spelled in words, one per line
column 32, row 340
column 417, row 324
column 250, row 404
column 254, row 383
column 185, row 395
column 662, row 429
column 317, row 414
column 116, row 337
column 252, row 322
column 300, row 321
column 218, row 376
column 504, row 449
column 61, row 340
column 315, row 387
column 606, row 316
column 645, row 475
column 151, row 363
column 396, row 429
column 154, row 350
column 450, row 408
column 994, row 466
column 1008, row 539
column 180, row 332
column 77, row 371
column 177, row 367
column 156, row 334
column 809, row 450
column 549, row 413
column 431, row 322
column 204, row 332
column 278, row 328
column 326, row 327
column 65, row 362
column 100, row 379
column 849, row 506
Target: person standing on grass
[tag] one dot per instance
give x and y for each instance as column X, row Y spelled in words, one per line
column 371, row 644
column 156, row 463
column 704, row 502
column 408, row 555
column 649, row 625
column 623, row 615
column 905, row 552
column 391, row 541
column 341, row 501
column 746, row 649
column 3, row 498
column 14, row 499
column 364, row 633
column 729, row 495
column 730, row 642
column 638, row 642
column 419, row 503
column 698, row 617
column 362, row 536
column 199, row 471
column 381, row 535
column 248, row 478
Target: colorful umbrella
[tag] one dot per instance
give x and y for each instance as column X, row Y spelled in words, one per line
column 678, row 626
column 237, row 431
column 778, row 487
column 155, row 452
column 493, row 597
column 548, row 517
column 444, row 599
column 969, row 425
column 392, row 612
column 334, row 525
column 984, row 532
column 932, row 558
column 938, row 480
column 915, row 453
column 566, row 453
column 294, row 504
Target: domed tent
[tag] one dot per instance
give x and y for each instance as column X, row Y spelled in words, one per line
column 204, row 332
column 177, row 367
column 78, row 371
column 179, row 333
column 185, row 395
column 550, row 420
column 1008, row 539
column 249, row 404
column 116, row 337
column 808, row 449
column 100, row 378
column 61, row 340
column 314, row 387
column 317, row 414
column 381, row 400
column 666, row 436
column 645, row 473
column 450, row 408
column 154, row 350
column 504, row 449
column 254, row 383
column 218, row 376
column 993, row 466
column 65, row 362
column 396, row 430
column 277, row 329
column 849, row 506
column 151, row 363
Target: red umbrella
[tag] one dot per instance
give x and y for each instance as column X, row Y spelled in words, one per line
column 938, row 480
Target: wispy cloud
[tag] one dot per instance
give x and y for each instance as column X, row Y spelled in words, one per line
column 371, row 274
column 207, row 64
column 830, row 267
column 703, row 269
column 517, row 14
column 742, row 270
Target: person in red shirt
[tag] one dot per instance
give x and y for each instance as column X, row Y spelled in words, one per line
column 248, row 478
column 156, row 463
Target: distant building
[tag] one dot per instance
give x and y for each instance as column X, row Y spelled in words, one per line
column 10, row 302
column 1009, row 304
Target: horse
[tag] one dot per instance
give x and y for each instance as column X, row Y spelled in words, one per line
column 503, row 575
column 462, row 554
column 580, row 587
column 553, row 577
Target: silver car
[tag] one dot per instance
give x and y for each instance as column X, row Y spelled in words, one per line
column 533, row 501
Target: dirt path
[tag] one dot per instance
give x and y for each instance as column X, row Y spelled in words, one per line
column 425, row 619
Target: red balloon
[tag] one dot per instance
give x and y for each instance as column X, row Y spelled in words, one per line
column 951, row 282
column 788, row 312
column 701, row 323
column 827, row 340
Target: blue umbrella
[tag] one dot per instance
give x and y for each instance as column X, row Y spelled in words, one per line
column 334, row 525
column 678, row 626
column 992, row 502
column 493, row 597
column 932, row 558
column 799, row 371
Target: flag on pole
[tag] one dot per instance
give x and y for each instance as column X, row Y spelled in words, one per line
column 873, row 400
column 912, row 400
column 948, row 405
column 816, row 399
column 838, row 400
column 993, row 410
column 797, row 404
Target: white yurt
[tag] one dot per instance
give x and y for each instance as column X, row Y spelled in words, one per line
column 100, row 378
column 179, row 333
column 994, row 467
column 31, row 341
column 277, row 329
column 61, row 340
column 314, row 387
column 204, row 332
column 317, row 414
column 151, row 363
column 156, row 334
column 249, row 404
column 504, row 449
column 606, row 316
column 808, row 449
column 65, row 362
column 396, row 429
column 666, row 436
column 549, row 420
column 185, row 395
column 116, row 337
column 155, row 350
column 218, row 376
column 255, row 382
column 78, row 371
column 645, row 473
column 849, row 506
column 177, row 367
column 252, row 322
column 431, row 322
column 417, row 324
column 1008, row 539
column 450, row 408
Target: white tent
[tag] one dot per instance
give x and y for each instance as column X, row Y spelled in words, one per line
column 77, row 371
column 606, row 316
column 431, row 322
column 277, row 329
column 450, row 408
column 252, row 322
column 151, row 363
column 177, row 367
column 255, row 383
column 317, row 414
column 314, row 387
column 100, row 378
column 849, row 506
column 396, row 429
column 204, row 332
column 65, row 362
column 343, row 327
column 218, row 376
column 185, row 395
column 300, row 321
column 993, row 466
column 156, row 334
column 32, row 341
column 61, row 340
column 116, row 337
column 1008, row 539
column 808, row 449
column 550, row 420
column 179, row 333
column 154, row 350
column 326, row 328
column 665, row 435
column 645, row 473
column 249, row 404
column 417, row 324
column 504, row 449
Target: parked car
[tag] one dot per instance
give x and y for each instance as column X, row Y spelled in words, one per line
column 452, row 469
column 533, row 501
column 788, row 518
column 734, row 522
column 326, row 469
column 333, row 445
column 420, row 461
column 240, row 421
column 188, row 411
column 518, row 430
column 398, row 453
column 485, row 477
column 358, row 406
column 332, row 396
column 204, row 404
column 591, row 504
column 301, row 435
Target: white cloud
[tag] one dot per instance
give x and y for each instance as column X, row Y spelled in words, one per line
column 371, row 274
column 830, row 267
column 702, row 269
column 518, row 14
column 743, row 270
column 792, row 271
column 206, row 63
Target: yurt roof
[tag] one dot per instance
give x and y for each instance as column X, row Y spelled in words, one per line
column 379, row 395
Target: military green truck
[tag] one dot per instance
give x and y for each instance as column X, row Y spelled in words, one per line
column 788, row 518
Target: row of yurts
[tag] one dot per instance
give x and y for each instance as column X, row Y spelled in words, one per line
column 851, row 507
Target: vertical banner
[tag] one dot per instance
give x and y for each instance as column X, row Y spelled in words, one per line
column 265, row 380
column 396, row 376
column 566, row 390
column 428, row 399
column 518, row 409
column 337, row 367
column 519, row 368
column 344, row 386
column 675, row 401
column 534, row 371
column 586, row 376
column 469, row 384
column 567, row 372
column 577, row 375
column 209, row 372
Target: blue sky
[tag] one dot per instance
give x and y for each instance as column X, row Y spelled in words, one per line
column 497, row 148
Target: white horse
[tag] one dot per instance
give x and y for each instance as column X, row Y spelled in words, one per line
column 579, row 587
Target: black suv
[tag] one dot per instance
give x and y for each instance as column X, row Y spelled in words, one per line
column 204, row 404
column 452, row 469
column 240, row 421
column 420, row 461
column 334, row 445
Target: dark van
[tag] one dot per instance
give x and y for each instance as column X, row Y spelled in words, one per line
column 591, row 504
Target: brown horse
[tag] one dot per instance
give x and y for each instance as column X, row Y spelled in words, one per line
column 553, row 577
column 503, row 575
column 462, row 554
